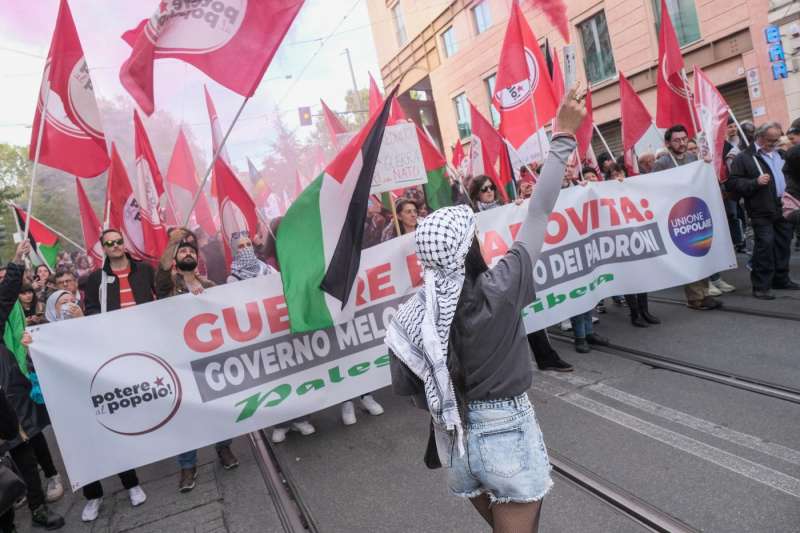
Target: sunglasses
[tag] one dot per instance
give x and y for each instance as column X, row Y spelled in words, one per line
column 111, row 244
column 487, row 188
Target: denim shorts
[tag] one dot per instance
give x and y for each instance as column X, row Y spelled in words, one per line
column 504, row 455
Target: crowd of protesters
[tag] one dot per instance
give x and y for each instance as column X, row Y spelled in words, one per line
column 761, row 192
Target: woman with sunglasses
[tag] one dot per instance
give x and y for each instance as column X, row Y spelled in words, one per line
column 483, row 193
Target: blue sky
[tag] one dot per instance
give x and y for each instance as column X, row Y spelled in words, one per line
column 317, row 70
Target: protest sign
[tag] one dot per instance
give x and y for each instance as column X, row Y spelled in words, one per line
column 131, row 387
column 400, row 163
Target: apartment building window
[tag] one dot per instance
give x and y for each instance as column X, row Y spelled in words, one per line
column 684, row 18
column 462, row 115
column 490, row 89
column 482, row 17
column 399, row 25
column 449, row 42
column 597, row 57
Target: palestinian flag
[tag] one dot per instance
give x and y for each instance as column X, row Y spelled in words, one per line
column 319, row 241
column 437, row 190
column 44, row 242
column 12, row 336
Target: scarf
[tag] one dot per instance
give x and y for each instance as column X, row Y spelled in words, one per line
column 419, row 333
column 50, row 312
column 485, row 207
column 246, row 265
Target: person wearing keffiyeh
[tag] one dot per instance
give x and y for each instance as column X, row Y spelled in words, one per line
column 459, row 346
column 245, row 264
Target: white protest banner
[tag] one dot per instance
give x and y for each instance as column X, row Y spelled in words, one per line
column 131, row 387
column 400, row 163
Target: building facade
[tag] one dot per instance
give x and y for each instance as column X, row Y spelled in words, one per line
column 444, row 52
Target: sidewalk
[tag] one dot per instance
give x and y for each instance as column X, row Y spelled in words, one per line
column 235, row 501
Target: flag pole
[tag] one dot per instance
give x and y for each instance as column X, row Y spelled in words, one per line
column 213, row 160
column 689, row 99
column 744, row 139
column 42, row 119
column 603, row 139
column 511, row 147
column 27, row 217
column 394, row 214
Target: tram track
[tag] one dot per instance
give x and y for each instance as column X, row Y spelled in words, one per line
column 766, row 388
column 732, row 309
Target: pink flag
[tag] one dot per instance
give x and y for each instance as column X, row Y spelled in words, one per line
column 712, row 113
column 216, row 130
column 149, row 187
column 232, row 41
column 90, row 226
column 72, row 139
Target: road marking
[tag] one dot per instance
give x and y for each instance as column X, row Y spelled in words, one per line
column 739, row 465
column 698, row 424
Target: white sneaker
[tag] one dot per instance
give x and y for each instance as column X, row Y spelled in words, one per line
column 279, row 434
column 566, row 325
column 348, row 413
column 372, row 406
column 595, row 320
column 137, row 496
column 724, row 286
column 91, row 510
column 54, row 490
column 713, row 290
column 304, row 427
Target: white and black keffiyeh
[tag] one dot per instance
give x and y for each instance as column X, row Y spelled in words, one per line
column 246, row 265
column 419, row 332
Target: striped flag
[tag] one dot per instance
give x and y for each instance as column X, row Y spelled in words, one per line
column 319, row 241
column 44, row 241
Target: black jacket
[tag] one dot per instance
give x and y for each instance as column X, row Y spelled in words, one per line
column 15, row 385
column 760, row 201
column 141, row 279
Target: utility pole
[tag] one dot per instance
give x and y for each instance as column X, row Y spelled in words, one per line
column 352, row 74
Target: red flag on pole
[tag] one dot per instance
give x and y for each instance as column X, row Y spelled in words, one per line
column 493, row 149
column 586, row 129
column 72, row 139
column 123, row 211
column 181, row 185
column 458, row 155
column 558, row 77
column 91, row 227
column 149, row 187
column 673, row 93
column 232, row 42
column 635, row 119
column 335, row 126
column 712, row 113
column 523, row 91
column 237, row 212
column 216, row 129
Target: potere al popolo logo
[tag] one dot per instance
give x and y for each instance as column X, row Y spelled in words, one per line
column 135, row 393
column 691, row 226
column 206, row 25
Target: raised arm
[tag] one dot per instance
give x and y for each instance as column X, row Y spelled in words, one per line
column 570, row 116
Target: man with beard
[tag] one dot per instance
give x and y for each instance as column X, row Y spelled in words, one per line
column 177, row 274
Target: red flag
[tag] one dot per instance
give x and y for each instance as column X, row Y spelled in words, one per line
column 335, row 126
column 148, row 189
column 490, row 139
column 72, row 139
column 181, row 185
column 673, row 93
column 586, row 129
column 712, row 114
column 216, row 129
column 123, row 211
column 635, row 119
column 237, row 212
column 458, row 155
column 523, row 91
column 91, row 227
column 375, row 96
column 233, row 42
